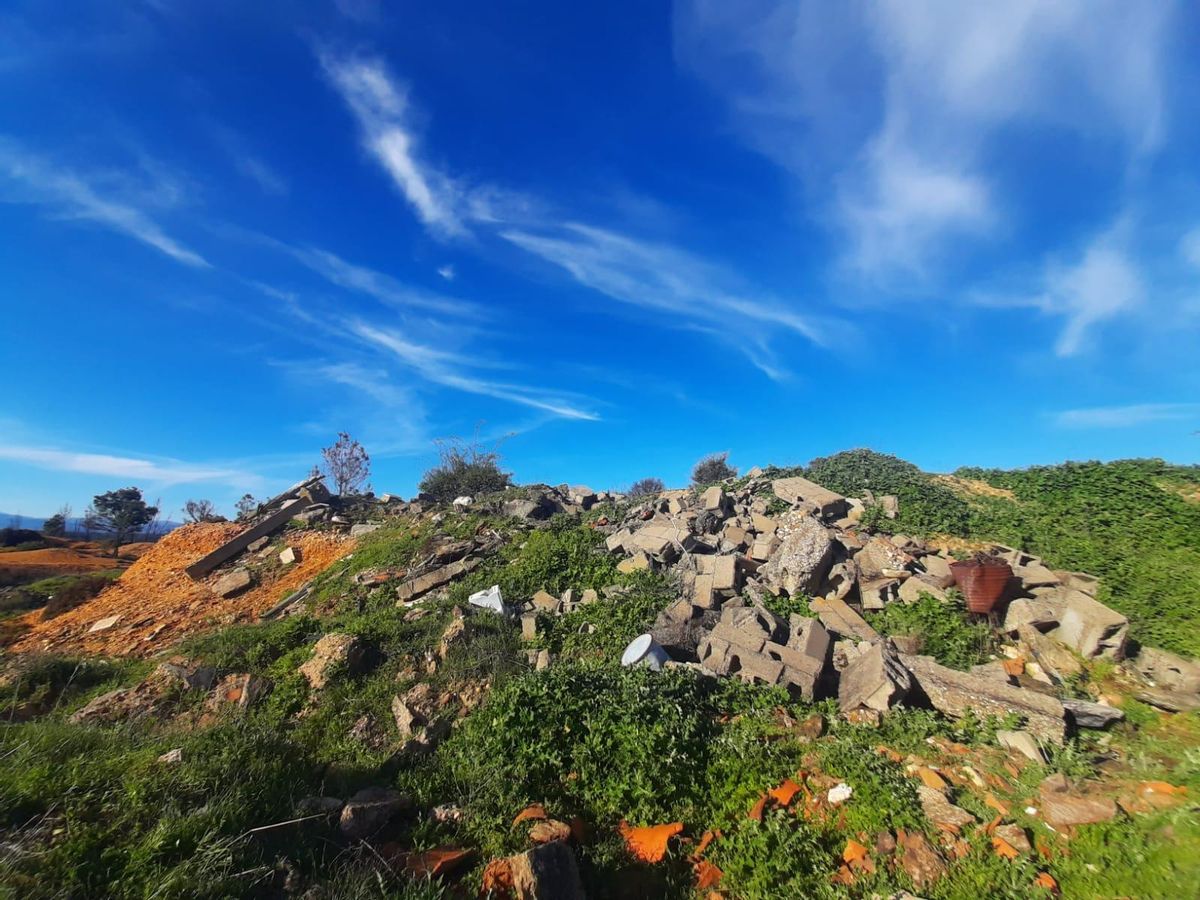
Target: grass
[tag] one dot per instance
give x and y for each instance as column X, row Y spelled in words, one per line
column 949, row 633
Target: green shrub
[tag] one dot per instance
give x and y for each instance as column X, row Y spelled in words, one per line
column 949, row 636
column 926, row 507
column 465, row 469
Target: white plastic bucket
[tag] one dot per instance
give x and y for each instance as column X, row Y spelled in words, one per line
column 643, row 650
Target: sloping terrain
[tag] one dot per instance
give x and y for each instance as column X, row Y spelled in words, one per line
column 382, row 736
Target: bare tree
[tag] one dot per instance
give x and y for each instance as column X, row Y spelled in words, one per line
column 246, row 507
column 347, row 465
column 89, row 522
column 200, row 511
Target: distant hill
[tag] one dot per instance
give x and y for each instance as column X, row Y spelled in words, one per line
column 35, row 523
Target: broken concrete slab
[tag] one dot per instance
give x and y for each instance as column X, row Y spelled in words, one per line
column 1040, row 613
column 1085, row 714
column 635, row 563
column 544, row 601
column 725, row 574
column 880, row 558
column 715, row 500
column 938, row 569
column 911, row 589
column 803, row 558
column 369, row 810
column 364, row 528
column 842, row 620
column 1168, row 670
column 1054, row 658
column 104, row 624
column 289, row 555
column 1091, row 629
column 415, row 588
column 232, row 548
column 941, row 811
column 232, row 584
column 797, row 490
column 874, row 679
column 957, row 693
column 1020, row 742
column 1063, row 808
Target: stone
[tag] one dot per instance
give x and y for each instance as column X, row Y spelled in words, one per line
column 715, row 500
column 544, row 601
column 839, row 618
column 104, row 624
column 333, row 652
column 1039, row 613
column 1171, row 701
column 1091, row 629
column 1062, row 808
column 1079, row 581
column 890, row 504
column 1014, row 836
column 957, row 693
column 879, row 558
column 911, row 589
column 938, row 569
column 1054, row 658
column 615, row 543
column 876, row 594
column 635, row 563
column 418, row 586
column 547, row 872
column 763, row 547
column 232, row 584
column 1085, row 714
column 841, row 580
column 941, row 811
column 702, row 592
column 408, row 720
column 1168, row 670
column 803, row 558
column 589, row 595
column 797, row 490
column 1020, row 742
column 241, row 691
column 364, row 528
column 1035, row 575
column 725, row 574
column 192, row 678
column 289, row 555
column 922, row 863
column 529, row 626
column 172, row 757
column 874, row 679
column 369, row 810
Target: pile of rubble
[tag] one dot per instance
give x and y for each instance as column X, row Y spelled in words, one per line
column 730, row 546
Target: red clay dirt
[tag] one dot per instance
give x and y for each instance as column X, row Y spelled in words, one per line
column 159, row 604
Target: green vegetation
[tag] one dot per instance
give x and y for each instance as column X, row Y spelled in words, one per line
column 948, row 632
column 926, row 507
column 465, row 469
column 1126, row 521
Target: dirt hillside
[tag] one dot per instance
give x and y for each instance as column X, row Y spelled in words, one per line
column 158, row 604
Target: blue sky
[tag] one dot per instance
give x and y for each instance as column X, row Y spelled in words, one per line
column 623, row 236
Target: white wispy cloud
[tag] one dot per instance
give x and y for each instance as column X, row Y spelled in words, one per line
column 1189, row 247
column 71, row 195
column 453, row 370
column 447, row 272
column 380, row 104
column 1126, row 416
column 898, row 105
column 381, row 286
column 694, row 293
column 162, row 472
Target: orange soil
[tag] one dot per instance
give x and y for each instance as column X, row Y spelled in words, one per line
column 67, row 558
column 159, row 604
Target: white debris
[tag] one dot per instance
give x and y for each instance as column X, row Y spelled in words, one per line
column 172, row 756
column 839, row 793
column 463, row 502
column 489, row 599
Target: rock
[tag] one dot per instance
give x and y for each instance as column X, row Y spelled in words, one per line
column 369, row 810
column 911, row 589
column 909, row 644
column 241, row 691
column 1084, row 714
column 544, row 601
column 1062, row 808
column 256, row 545
column 797, row 490
column 1168, row 670
column 233, row 583
column 1171, row 701
column 288, row 555
column 957, row 693
column 1014, row 836
column 875, row 679
column 104, row 624
column 332, row 652
column 364, row 528
column 923, row 864
column 190, row 677
column 547, row 872
column 938, row 570
column 715, row 500
column 172, row 757
column 407, row 719
column 462, row 502
column 1079, row 581
column 1091, row 629
column 842, row 620
column 941, row 811
column 1055, row 659
column 1021, row 742
column 418, row 586
column 880, row 558
column 803, row 557
column 635, row 563
column 1038, row 613
column 725, row 575
column 529, row 626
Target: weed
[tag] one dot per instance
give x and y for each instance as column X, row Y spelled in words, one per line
column 948, row 635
